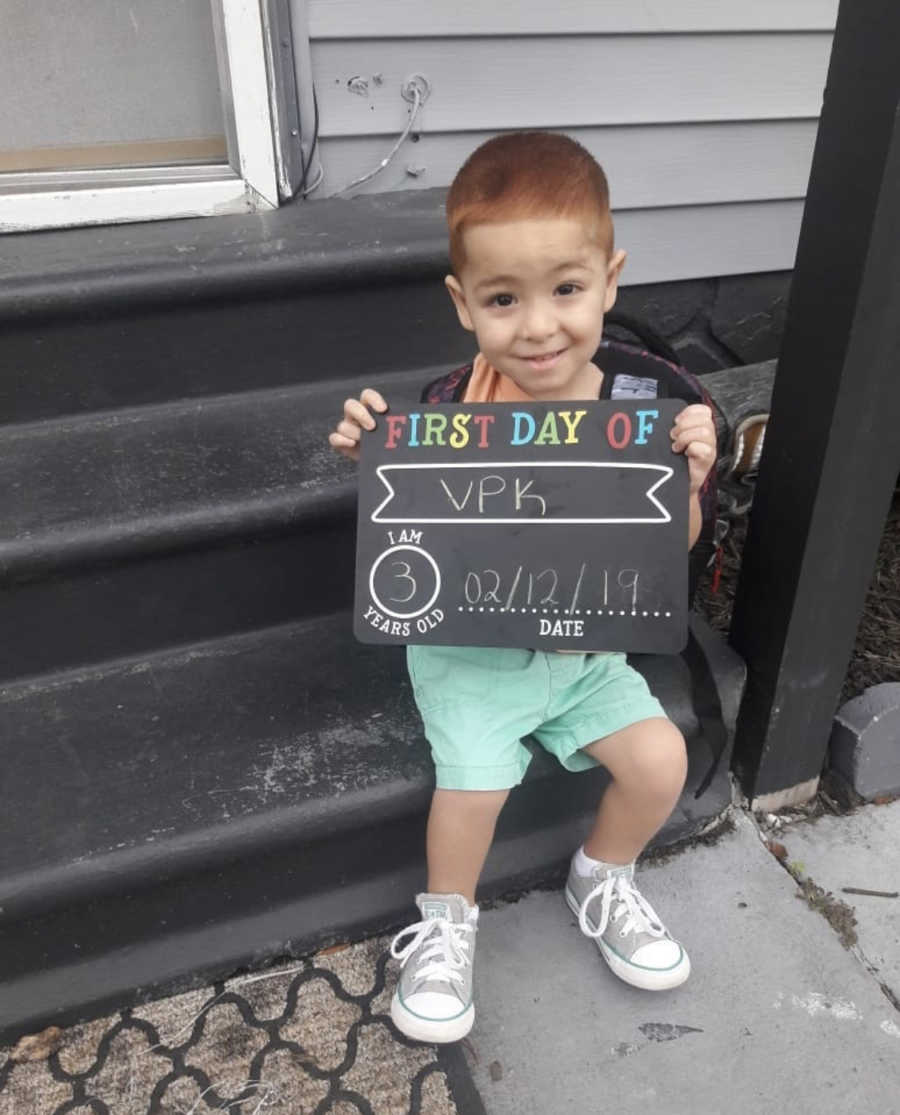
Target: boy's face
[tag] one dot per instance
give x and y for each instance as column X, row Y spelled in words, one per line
column 534, row 291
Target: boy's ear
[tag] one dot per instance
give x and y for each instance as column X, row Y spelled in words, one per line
column 459, row 301
column 613, row 271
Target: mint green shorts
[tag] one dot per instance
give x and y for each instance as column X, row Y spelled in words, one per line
column 478, row 702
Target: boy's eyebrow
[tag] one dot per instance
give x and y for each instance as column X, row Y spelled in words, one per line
column 572, row 263
column 496, row 280
column 508, row 280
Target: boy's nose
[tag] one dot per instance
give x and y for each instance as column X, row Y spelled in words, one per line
column 538, row 323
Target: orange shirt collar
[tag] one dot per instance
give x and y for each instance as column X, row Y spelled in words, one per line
column 487, row 385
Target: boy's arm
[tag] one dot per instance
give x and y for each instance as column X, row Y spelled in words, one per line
column 357, row 417
column 694, row 434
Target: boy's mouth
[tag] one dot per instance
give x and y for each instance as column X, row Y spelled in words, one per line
column 545, row 360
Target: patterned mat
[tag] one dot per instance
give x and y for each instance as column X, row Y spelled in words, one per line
column 307, row 1038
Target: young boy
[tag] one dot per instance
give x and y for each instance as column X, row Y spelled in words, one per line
column 534, row 270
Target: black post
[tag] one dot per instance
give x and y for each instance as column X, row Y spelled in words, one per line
column 833, row 443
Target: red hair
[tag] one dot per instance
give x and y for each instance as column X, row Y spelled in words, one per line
column 527, row 174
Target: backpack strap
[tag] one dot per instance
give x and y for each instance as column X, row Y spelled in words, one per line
column 448, row 388
column 654, row 343
column 707, row 706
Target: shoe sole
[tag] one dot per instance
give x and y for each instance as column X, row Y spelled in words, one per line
column 643, row 978
column 437, row 1031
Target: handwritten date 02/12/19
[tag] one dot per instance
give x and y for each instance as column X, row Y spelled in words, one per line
column 582, row 591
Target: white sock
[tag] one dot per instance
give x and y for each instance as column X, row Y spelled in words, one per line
column 585, row 866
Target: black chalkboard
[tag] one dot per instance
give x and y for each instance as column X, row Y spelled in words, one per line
column 543, row 525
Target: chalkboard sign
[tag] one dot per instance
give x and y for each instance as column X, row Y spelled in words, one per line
column 545, row 525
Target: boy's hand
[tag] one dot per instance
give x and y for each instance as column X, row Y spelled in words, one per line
column 346, row 435
column 694, row 434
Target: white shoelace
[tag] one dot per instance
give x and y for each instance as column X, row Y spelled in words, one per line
column 444, row 956
column 639, row 915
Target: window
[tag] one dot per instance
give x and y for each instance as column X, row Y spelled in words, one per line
column 131, row 111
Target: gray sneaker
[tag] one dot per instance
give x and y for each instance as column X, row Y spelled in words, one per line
column 433, row 1000
column 631, row 938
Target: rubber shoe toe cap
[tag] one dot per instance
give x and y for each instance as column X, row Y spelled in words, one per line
column 659, row 955
column 434, row 1006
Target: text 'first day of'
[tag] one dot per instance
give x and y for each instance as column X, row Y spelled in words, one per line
column 482, row 430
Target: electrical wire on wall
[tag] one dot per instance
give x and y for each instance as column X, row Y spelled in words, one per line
column 304, row 190
column 415, row 89
column 307, row 104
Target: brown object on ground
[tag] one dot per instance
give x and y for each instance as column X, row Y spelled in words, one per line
column 37, row 1047
column 332, row 949
column 778, row 850
column 496, row 1071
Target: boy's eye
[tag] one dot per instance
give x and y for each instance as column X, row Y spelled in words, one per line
column 502, row 300
column 566, row 288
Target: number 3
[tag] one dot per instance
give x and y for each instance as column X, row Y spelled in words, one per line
column 404, row 576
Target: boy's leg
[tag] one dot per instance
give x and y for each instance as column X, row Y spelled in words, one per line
column 475, row 709
column 460, row 830
column 433, row 1000
column 648, row 764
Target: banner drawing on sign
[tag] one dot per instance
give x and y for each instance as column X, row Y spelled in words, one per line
column 526, row 489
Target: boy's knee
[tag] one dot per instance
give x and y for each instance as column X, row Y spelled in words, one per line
column 658, row 762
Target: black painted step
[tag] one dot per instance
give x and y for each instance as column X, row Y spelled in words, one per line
column 127, row 531
column 118, row 316
column 177, row 816
column 123, row 532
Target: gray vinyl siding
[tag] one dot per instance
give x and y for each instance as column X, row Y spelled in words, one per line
column 703, row 112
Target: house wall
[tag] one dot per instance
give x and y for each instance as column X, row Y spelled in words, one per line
column 703, row 112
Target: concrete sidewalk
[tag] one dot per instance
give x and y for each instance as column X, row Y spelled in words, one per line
column 777, row 1013
column 782, row 1010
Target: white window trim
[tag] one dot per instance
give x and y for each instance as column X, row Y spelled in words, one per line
column 250, row 182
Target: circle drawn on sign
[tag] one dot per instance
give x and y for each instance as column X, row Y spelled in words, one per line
column 405, row 548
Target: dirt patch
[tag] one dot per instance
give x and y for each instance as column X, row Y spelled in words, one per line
column 839, row 915
column 876, row 654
